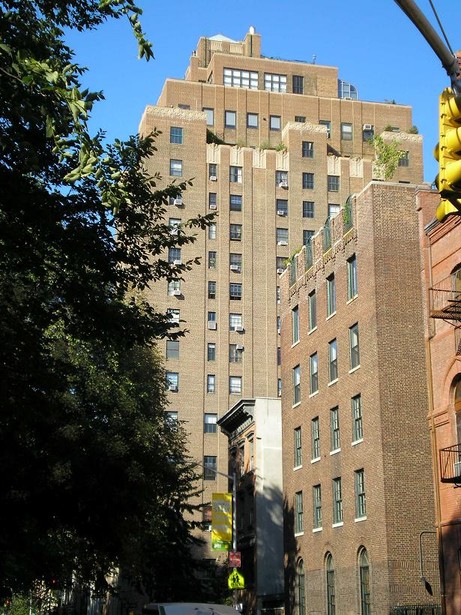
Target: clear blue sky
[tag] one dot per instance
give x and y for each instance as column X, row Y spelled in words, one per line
column 372, row 42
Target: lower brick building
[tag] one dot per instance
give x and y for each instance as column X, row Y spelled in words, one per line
column 357, row 472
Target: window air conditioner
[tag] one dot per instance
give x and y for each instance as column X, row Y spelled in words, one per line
column 282, row 243
column 213, row 178
column 368, row 127
column 176, row 292
column 281, row 212
column 239, row 329
column 213, row 206
column 212, row 324
column 283, row 184
column 235, row 268
column 280, row 270
column 177, row 261
column 177, row 201
column 239, row 346
column 174, row 230
column 173, row 387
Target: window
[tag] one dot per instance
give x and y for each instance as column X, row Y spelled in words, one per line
column 279, row 324
column 172, row 349
column 176, row 135
column 330, row 573
column 360, row 500
column 299, row 523
column 235, row 202
column 346, row 131
column 212, row 231
column 235, row 175
column 307, row 236
column 312, row 310
column 275, row 122
column 236, row 78
column 317, row 505
column 333, row 209
column 235, row 385
column 327, row 124
column 282, row 236
column 211, row 289
column 176, row 168
column 300, row 589
column 211, row 351
column 333, row 360
column 213, row 171
column 308, row 209
column 295, row 324
column 279, row 387
column 171, row 417
column 235, row 353
column 280, row 263
column 357, row 423
column 314, row 373
column 307, row 149
column 347, row 90
column 331, row 295
column 252, row 120
column 236, row 232
column 333, row 183
column 300, row 118
column 173, row 315
column 174, row 255
column 404, row 160
column 174, row 287
column 282, row 207
column 352, row 287
column 212, row 259
column 235, row 291
column 368, row 132
column 209, row 423
column 354, row 346
column 210, row 383
column 172, row 381
column 278, row 294
column 275, row 83
column 364, row 575
column 315, row 438
column 212, row 200
column 235, row 262
column 298, row 459
column 296, row 384
column 209, row 116
column 235, row 321
column 182, row 106
column 281, row 179
column 279, row 355
column 337, row 501
column 211, row 316
column 334, row 430
column 209, row 467
column 298, row 84
column 230, row 119
column 308, row 181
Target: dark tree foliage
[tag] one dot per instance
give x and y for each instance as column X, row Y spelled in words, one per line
column 92, row 477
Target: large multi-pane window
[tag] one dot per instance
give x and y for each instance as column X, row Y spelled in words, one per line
column 212, row 231
column 235, row 385
column 281, row 235
column 346, row 131
column 313, row 373
column 235, row 202
column 317, row 506
column 298, row 458
column 296, row 384
column 308, row 209
column 295, row 324
column 364, row 575
column 333, row 183
column 315, row 438
column 172, row 349
column 174, row 287
column 357, row 422
column 337, row 501
column 209, row 467
column 235, row 262
column 235, row 291
column 173, row 315
column 333, row 360
column 327, row 124
column 236, row 78
column 212, row 200
column 235, row 232
column 282, row 207
column 335, row 444
column 235, row 353
column 352, row 286
column 176, row 168
column 307, row 236
column 172, row 381
column 174, row 255
column 209, row 423
column 211, row 289
column 298, row 84
column 354, row 346
column 312, row 309
column 235, row 175
column 308, row 181
column 235, row 321
column 331, row 295
column 230, row 119
column 176, row 134
column 210, row 383
column 299, row 521
column 212, row 255
column 330, row 574
column 307, row 149
column 360, row 499
column 275, row 83
column 281, row 179
column 211, row 351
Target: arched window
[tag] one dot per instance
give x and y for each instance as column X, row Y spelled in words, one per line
column 456, row 282
column 300, row 596
column 364, row 576
column 330, row 572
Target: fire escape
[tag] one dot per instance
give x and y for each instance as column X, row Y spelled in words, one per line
column 445, row 304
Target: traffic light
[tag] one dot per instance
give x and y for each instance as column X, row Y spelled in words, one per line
column 448, row 154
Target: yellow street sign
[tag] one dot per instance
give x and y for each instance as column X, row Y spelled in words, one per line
column 236, row 580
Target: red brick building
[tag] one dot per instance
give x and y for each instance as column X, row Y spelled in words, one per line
column 356, row 456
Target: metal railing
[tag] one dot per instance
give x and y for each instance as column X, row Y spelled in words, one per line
column 450, row 464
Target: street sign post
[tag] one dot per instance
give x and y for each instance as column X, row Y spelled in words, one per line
column 236, row 580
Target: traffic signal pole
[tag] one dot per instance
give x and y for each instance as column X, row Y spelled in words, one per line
column 449, row 61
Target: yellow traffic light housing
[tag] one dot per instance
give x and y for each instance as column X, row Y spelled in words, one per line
column 448, row 154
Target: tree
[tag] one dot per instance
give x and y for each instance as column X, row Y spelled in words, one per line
column 387, row 156
column 93, row 477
